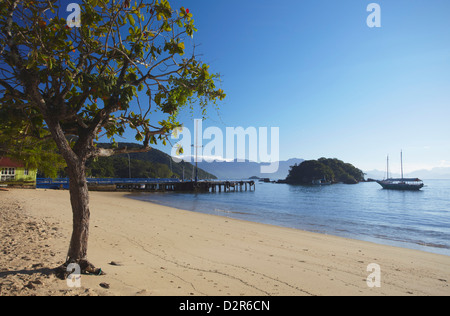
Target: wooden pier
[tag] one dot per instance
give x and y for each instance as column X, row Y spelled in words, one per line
column 215, row 186
column 153, row 185
column 191, row 186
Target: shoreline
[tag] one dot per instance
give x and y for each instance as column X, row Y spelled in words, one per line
column 161, row 250
column 392, row 242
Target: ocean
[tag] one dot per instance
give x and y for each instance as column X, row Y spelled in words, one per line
column 417, row 220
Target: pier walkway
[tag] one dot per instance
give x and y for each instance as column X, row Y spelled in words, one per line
column 152, row 185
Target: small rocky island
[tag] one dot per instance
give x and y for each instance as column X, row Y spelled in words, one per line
column 324, row 171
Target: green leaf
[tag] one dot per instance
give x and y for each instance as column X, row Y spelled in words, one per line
column 131, row 19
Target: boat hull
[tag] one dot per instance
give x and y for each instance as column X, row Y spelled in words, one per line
column 400, row 186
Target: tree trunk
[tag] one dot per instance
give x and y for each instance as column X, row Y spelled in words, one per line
column 79, row 198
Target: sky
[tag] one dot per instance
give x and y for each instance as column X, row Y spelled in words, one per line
column 332, row 85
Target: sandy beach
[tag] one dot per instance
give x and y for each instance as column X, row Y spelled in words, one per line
column 148, row 249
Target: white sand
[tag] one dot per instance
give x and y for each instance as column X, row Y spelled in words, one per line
column 165, row 251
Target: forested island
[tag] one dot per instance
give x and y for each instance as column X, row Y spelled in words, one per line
column 327, row 170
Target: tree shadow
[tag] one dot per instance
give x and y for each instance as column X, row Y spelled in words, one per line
column 39, row 271
column 61, row 272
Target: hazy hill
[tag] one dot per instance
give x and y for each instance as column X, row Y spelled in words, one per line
column 244, row 170
column 152, row 164
column 435, row 173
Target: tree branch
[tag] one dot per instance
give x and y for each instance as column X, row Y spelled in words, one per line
column 14, row 92
column 103, row 152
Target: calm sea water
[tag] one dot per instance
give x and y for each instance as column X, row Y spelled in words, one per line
column 417, row 220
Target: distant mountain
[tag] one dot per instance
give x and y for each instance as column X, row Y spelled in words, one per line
column 243, row 170
column 377, row 174
column 435, row 173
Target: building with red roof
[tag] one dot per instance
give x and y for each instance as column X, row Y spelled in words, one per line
column 15, row 173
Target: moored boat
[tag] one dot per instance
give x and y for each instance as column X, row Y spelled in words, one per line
column 401, row 184
column 321, row 182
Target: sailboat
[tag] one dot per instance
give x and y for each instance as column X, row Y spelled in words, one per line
column 402, row 184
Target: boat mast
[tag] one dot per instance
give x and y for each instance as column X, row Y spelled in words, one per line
column 401, row 159
column 196, row 151
column 387, row 168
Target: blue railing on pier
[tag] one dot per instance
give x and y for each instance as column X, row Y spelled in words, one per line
column 44, row 183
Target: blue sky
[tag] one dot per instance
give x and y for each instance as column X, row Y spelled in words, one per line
column 334, row 86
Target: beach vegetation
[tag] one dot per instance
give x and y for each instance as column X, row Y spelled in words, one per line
column 37, row 153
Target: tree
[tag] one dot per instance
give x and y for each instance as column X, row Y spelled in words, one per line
column 343, row 172
column 308, row 171
column 78, row 84
column 37, row 152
